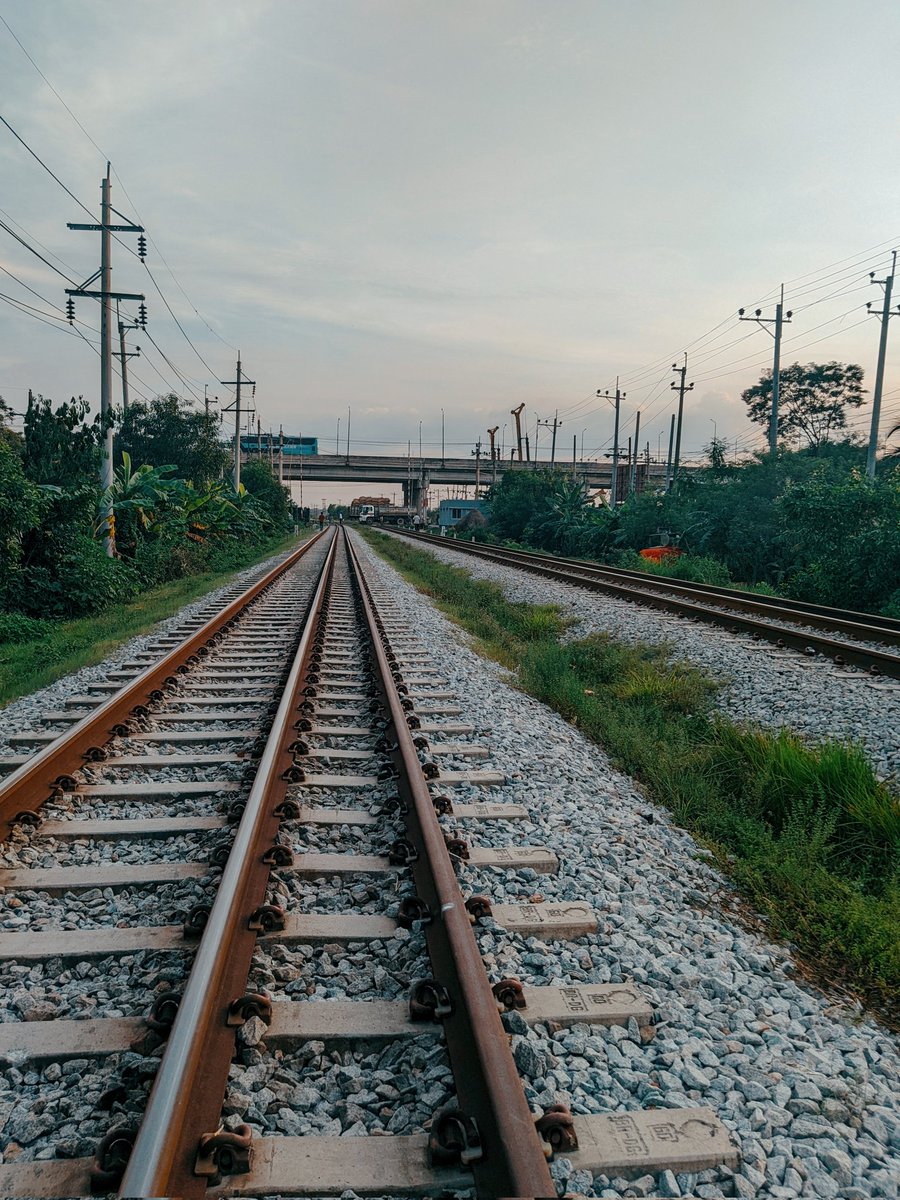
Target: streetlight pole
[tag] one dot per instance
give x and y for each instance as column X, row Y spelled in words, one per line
column 442, row 439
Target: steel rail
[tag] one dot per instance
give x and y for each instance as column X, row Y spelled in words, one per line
column 186, row 1100
column 867, row 626
column 513, row 1162
column 876, row 661
column 30, row 785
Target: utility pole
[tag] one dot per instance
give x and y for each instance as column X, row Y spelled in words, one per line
column 443, row 464
column 614, row 489
column 477, row 467
column 492, row 434
column 886, row 315
column 780, row 319
column 106, row 295
column 669, row 459
column 554, row 425
column 517, row 413
column 125, row 355
column 348, row 435
column 680, row 387
column 637, row 438
column 239, row 378
column 281, row 454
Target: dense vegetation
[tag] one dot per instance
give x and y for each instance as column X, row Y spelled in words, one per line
column 175, row 515
column 808, row 524
column 808, row 833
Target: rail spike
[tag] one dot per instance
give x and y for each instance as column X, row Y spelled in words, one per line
column 454, row 1138
column 111, row 1159
column 253, row 1004
column 429, row 1000
column 268, row 918
column 225, row 1152
column 557, row 1128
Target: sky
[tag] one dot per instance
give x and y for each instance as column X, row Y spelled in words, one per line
column 399, row 207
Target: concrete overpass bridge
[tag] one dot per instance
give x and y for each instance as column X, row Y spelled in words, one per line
column 416, row 475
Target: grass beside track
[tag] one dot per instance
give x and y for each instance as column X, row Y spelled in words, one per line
column 807, row 833
column 67, row 646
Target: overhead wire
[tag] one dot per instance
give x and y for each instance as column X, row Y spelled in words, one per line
column 69, row 192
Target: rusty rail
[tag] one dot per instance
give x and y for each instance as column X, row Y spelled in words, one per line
column 661, row 594
column 30, row 785
column 509, row 1159
column 186, row 1101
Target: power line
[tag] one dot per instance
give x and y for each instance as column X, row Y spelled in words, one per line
column 50, row 86
column 38, row 158
column 128, row 198
column 36, row 253
column 37, row 241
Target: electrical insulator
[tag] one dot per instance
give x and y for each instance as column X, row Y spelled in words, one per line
column 142, row 247
column 142, row 316
column 70, row 310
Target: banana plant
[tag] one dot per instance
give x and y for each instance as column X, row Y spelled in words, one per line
column 137, row 498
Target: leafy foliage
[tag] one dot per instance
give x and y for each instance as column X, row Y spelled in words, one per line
column 61, row 447
column 168, row 432
column 22, row 504
column 168, row 523
column 270, row 496
column 812, row 399
column 808, row 524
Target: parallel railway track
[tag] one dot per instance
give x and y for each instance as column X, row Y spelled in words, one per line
column 329, row 750
column 839, row 634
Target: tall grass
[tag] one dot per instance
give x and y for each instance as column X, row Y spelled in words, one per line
column 808, row 833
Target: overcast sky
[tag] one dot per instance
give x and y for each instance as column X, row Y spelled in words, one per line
column 404, row 206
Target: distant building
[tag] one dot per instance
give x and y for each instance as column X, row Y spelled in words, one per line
column 451, row 512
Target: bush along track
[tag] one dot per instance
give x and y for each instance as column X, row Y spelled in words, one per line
column 36, row 652
column 808, row 834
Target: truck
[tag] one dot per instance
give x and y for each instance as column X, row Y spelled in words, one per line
column 369, row 510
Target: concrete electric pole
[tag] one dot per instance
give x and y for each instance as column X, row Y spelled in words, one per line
column 780, row 319
column 106, row 295
column 239, row 378
column 554, row 425
column 680, row 387
column 124, row 356
column 614, row 486
column 886, row 315
column 492, row 434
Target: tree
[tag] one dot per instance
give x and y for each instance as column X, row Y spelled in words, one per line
column 259, row 480
column 8, row 435
column 168, row 432
column 812, row 401
column 716, row 452
column 60, row 446
column 22, row 505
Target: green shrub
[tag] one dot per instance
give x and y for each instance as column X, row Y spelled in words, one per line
column 16, row 627
column 84, row 580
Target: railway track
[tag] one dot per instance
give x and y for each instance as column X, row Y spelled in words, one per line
column 847, row 637
column 308, row 792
